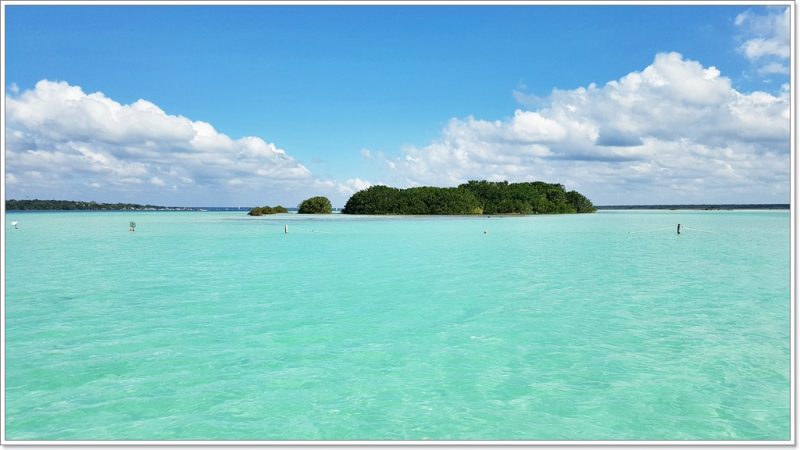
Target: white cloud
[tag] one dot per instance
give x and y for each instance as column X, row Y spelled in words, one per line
column 357, row 184
column 59, row 130
column 774, row 68
column 759, row 47
column 766, row 38
column 345, row 189
column 676, row 126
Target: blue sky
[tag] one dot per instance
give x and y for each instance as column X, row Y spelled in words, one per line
column 405, row 95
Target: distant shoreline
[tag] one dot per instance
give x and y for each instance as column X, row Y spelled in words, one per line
column 709, row 207
column 77, row 205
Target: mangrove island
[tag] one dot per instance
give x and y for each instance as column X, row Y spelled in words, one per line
column 264, row 210
column 473, row 197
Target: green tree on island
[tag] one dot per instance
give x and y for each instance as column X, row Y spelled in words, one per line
column 315, row 205
column 263, row 210
column 418, row 200
column 474, row 197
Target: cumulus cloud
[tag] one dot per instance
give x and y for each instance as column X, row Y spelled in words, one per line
column 357, row 184
column 58, row 136
column 345, row 189
column 766, row 36
column 675, row 128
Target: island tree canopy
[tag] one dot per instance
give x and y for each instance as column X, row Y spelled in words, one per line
column 418, row 200
column 315, row 205
column 263, row 210
column 474, row 197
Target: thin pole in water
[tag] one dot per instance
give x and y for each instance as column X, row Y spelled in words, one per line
column 679, row 228
column 285, row 228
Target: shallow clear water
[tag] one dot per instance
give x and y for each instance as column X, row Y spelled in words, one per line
column 210, row 326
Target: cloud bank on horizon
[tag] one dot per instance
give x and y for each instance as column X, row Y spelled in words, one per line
column 61, row 140
column 675, row 131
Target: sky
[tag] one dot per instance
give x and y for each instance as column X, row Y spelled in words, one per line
column 262, row 104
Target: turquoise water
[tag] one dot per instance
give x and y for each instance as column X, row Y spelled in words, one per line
column 209, row 326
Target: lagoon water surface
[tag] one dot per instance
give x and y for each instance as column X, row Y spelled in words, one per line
column 218, row 326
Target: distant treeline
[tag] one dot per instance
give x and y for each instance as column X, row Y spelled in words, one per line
column 68, row 205
column 474, row 197
column 701, row 207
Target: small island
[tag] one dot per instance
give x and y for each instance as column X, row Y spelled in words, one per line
column 264, row 210
column 474, row 197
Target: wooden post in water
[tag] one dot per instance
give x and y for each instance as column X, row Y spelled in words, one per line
column 679, row 228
